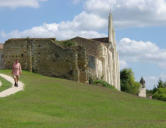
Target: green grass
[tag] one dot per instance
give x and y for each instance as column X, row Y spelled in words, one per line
column 5, row 84
column 56, row 103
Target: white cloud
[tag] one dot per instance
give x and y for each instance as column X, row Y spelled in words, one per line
column 123, row 64
column 94, row 18
column 64, row 30
column 130, row 13
column 84, row 25
column 20, row 3
column 85, row 21
column 140, row 51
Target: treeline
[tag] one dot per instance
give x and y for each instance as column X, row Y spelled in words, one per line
column 159, row 92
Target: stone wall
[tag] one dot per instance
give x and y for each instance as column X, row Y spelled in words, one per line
column 46, row 57
column 107, row 65
column 89, row 58
column 16, row 49
column 142, row 92
column 1, row 59
column 103, row 60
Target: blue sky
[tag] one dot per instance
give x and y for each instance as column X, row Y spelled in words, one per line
column 140, row 27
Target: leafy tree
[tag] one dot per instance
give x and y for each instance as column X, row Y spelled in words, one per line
column 160, row 84
column 154, row 90
column 159, row 91
column 164, row 84
column 128, row 83
column 160, row 94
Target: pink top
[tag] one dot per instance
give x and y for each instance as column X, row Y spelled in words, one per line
column 16, row 69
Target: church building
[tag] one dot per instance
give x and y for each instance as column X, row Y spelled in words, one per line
column 78, row 59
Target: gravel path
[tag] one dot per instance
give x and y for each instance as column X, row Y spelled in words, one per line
column 13, row 89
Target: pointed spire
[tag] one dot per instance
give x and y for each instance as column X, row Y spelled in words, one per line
column 113, row 38
column 110, row 28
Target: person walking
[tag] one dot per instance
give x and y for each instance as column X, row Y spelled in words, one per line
column 16, row 72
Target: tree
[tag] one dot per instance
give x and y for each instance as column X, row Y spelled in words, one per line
column 159, row 91
column 128, row 83
column 160, row 94
column 160, row 84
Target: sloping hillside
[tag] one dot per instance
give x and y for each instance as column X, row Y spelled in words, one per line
column 56, row 103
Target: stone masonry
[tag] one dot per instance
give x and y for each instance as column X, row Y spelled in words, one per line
column 46, row 57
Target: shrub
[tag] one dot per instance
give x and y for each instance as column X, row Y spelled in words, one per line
column 91, row 80
column 160, row 94
column 68, row 43
column 102, row 83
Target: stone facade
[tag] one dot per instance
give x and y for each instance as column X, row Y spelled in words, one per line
column 142, row 92
column 96, row 58
column 1, row 56
column 46, row 57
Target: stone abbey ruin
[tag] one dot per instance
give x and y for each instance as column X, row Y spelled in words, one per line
column 78, row 59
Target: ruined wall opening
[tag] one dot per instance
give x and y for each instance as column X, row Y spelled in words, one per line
column 92, row 62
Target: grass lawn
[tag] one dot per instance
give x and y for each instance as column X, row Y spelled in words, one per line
column 5, row 84
column 57, row 103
